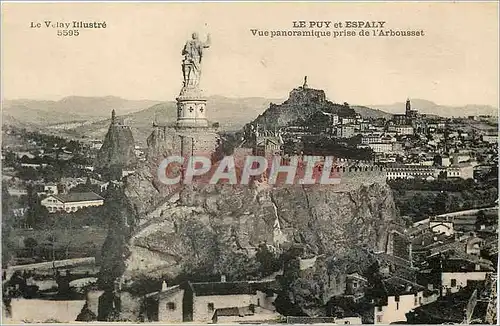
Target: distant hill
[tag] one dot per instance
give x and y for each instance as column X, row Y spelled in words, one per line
column 429, row 107
column 301, row 106
column 231, row 113
column 234, row 113
column 89, row 117
column 71, row 108
column 367, row 112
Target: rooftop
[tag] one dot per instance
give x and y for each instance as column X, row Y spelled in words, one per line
column 78, row 197
column 399, row 286
column 463, row 265
column 449, row 308
column 229, row 288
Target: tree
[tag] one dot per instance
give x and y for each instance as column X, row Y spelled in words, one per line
column 268, row 261
column 30, row 243
column 7, row 225
column 235, row 265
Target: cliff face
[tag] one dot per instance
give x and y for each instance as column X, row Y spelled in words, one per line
column 202, row 231
column 300, row 105
column 117, row 149
column 217, row 228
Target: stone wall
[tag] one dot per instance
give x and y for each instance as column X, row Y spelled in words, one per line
column 171, row 140
column 173, row 313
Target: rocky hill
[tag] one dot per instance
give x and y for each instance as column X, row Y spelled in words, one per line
column 86, row 117
column 201, row 231
column 118, row 148
column 302, row 103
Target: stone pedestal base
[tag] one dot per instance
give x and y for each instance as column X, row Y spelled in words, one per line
column 195, row 141
column 191, row 108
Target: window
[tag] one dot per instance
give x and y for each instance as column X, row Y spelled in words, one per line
column 170, row 306
column 211, row 307
column 397, row 305
column 416, row 301
column 453, row 282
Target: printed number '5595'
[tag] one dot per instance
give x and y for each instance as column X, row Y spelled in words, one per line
column 68, row 32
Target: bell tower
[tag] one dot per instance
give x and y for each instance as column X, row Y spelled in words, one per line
column 408, row 108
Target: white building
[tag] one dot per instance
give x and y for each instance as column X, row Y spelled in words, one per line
column 410, row 172
column 442, row 226
column 345, row 131
column 456, row 273
column 381, row 147
column 371, row 138
column 463, row 171
column 71, row 202
column 405, row 130
column 335, row 119
column 212, row 301
column 492, row 139
column 50, row 188
column 403, row 296
column 346, row 121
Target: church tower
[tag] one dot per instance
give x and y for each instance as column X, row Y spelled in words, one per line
column 408, row 108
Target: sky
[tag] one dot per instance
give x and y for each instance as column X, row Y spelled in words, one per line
column 138, row 54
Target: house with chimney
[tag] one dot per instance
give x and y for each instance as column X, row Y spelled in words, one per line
column 213, row 302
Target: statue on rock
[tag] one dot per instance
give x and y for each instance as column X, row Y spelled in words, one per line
column 193, row 54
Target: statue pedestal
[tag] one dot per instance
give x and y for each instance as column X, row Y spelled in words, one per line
column 191, row 108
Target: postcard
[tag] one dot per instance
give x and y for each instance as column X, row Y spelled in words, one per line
column 250, row 162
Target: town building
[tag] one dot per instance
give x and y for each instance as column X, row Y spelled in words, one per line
column 492, row 139
column 406, row 119
column 456, row 274
column 404, row 130
column 462, row 170
column 71, row 202
column 268, row 143
column 411, row 172
column 442, row 227
column 345, row 131
column 50, row 188
column 348, row 120
column 456, row 308
column 402, row 297
column 369, row 138
column 215, row 302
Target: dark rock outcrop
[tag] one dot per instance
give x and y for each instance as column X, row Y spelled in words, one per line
column 207, row 230
column 194, row 223
column 118, row 148
column 301, row 104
